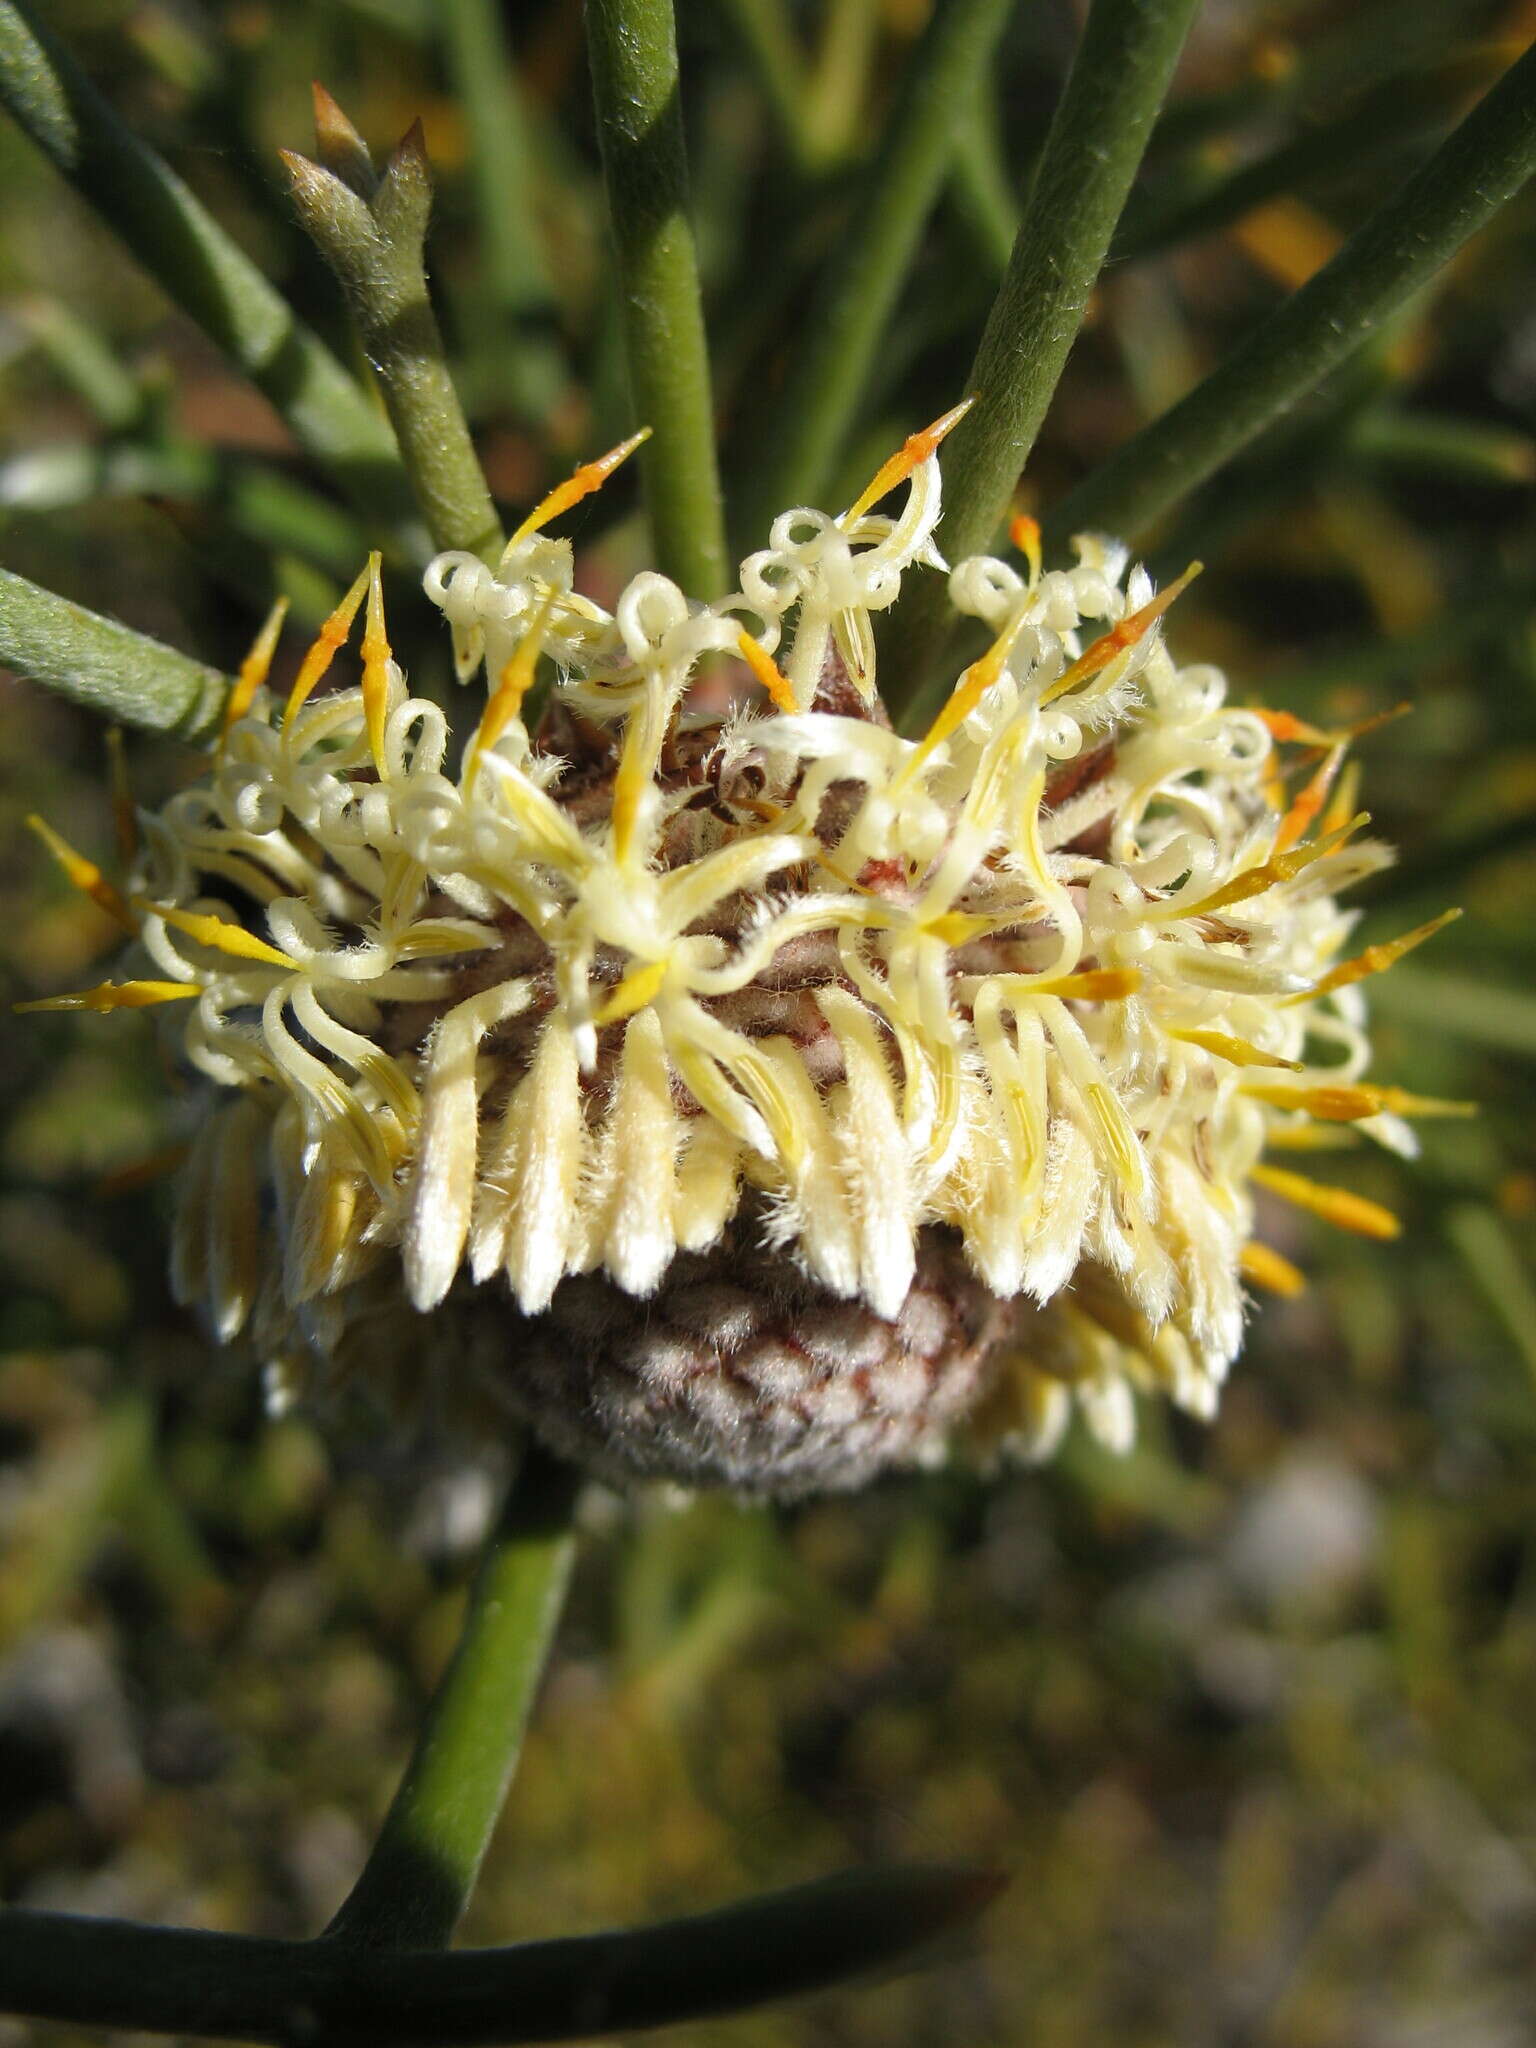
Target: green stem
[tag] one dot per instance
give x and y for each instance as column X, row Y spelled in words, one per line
column 93, row 661
column 1483, row 163
column 633, row 50
column 109, row 1973
column 804, row 429
column 423, row 1867
column 1091, row 152
column 201, row 269
column 372, row 232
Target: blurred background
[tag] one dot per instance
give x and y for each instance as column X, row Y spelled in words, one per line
column 1247, row 1714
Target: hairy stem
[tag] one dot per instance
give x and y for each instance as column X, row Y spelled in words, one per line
column 372, row 232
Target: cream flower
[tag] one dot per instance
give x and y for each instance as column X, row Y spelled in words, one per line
column 754, row 1100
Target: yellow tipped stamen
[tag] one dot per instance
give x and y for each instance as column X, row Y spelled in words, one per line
column 85, row 874
column 1311, row 1138
column 1283, row 726
column 1270, row 1269
column 583, row 480
column 218, row 933
column 973, row 685
column 1108, row 1112
column 125, row 819
column 644, row 735
column 253, row 670
column 1333, row 1205
column 640, row 986
column 1024, row 534
column 1091, row 985
column 1331, row 1104
column 1283, row 867
column 1302, row 814
column 959, row 927
column 328, row 641
column 1236, row 1051
column 1375, row 959
column 767, row 671
column 1286, row 726
column 1345, row 801
column 507, row 699
column 1346, row 1104
column 1118, row 638
column 115, row 995
column 376, row 658
column 898, row 467
column 628, row 784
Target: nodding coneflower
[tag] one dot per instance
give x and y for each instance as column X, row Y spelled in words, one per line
column 759, row 1098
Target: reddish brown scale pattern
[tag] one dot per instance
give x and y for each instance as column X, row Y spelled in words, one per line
column 740, row 1371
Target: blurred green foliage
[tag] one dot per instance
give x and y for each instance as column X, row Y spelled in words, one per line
column 1248, row 1714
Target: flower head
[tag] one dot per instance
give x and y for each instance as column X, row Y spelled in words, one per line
column 759, row 1096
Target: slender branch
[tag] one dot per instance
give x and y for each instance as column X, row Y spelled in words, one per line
column 1094, row 145
column 1483, row 163
column 423, row 1866
column 841, row 329
column 189, row 255
column 296, row 1994
column 372, row 231
column 633, row 50
column 104, row 666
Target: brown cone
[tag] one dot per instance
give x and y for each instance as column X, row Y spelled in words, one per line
column 740, row 1372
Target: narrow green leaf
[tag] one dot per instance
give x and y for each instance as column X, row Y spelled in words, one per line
column 259, row 502
column 1461, row 1006
column 633, row 49
column 1393, row 255
column 765, row 35
column 804, row 429
column 84, row 360
column 101, row 1972
column 1439, row 444
column 201, row 269
column 510, row 312
column 1480, row 1235
column 93, row 661
column 1095, row 143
